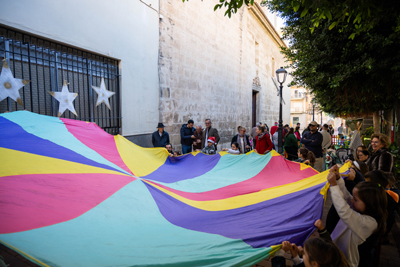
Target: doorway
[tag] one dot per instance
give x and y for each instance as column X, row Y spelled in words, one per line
column 254, row 108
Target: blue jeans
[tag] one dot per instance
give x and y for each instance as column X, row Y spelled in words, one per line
column 186, row 149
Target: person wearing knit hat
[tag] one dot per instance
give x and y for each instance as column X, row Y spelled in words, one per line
column 209, row 149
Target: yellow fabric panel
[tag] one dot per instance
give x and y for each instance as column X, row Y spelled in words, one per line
column 304, row 166
column 20, row 163
column 274, row 153
column 141, row 161
column 274, row 249
column 194, row 153
column 345, row 167
column 248, row 199
column 223, row 153
column 324, row 190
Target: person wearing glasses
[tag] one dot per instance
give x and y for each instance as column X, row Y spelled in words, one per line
column 312, row 140
column 381, row 159
column 210, row 132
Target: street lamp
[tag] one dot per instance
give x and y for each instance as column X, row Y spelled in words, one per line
column 281, row 77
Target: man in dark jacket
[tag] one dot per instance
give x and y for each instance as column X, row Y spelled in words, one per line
column 187, row 137
column 160, row 138
column 210, row 132
column 312, row 140
column 331, row 131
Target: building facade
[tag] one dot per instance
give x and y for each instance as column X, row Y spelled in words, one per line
column 166, row 63
column 216, row 67
column 48, row 42
column 303, row 111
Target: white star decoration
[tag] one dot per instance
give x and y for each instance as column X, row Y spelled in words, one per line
column 65, row 98
column 102, row 94
column 9, row 86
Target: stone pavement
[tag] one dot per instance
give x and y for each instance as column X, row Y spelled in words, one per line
column 390, row 253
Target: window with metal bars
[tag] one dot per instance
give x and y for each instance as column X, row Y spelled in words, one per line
column 47, row 65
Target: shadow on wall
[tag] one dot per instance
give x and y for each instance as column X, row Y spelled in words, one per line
column 143, row 140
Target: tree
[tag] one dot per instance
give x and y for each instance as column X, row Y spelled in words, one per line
column 347, row 77
column 360, row 16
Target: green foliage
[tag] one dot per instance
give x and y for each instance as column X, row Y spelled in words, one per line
column 347, row 77
column 368, row 132
column 232, row 6
column 366, row 136
column 394, row 150
column 358, row 16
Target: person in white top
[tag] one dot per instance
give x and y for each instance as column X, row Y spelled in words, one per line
column 233, row 150
column 361, row 215
column 326, row 143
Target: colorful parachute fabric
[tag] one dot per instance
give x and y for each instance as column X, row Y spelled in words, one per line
column 73, row 195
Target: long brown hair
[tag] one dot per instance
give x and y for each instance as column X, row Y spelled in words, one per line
column 325, row 253
column 291, row 131
column 307, row 154
column 374, row 197
column 363, row 167
column 261, row 128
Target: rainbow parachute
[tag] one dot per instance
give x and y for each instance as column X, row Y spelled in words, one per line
column 73, row 195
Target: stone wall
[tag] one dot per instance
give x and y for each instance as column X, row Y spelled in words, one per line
column 210, row 64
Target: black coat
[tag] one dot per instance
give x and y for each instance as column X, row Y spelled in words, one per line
column 380, row 160
column 160, row 141
column 186, row 135
column 235, row 139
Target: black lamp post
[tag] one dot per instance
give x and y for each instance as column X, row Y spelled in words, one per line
column 281, row 77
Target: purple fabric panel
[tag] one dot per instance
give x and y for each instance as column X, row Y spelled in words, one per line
column 15, row 137
column 176, row 169
column 290, row 217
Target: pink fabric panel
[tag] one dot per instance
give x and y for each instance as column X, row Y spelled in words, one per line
column 36, row 200
column 101, row 142
column 277, row 172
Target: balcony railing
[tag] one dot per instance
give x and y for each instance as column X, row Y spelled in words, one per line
column 298, row 95
column 296, row 109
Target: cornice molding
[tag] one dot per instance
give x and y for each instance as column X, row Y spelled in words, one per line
column 259, row 13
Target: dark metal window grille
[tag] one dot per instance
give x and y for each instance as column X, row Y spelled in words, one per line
column 47, row 64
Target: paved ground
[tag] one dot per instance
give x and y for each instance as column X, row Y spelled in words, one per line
column 390, row 253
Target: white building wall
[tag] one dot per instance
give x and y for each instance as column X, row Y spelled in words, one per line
column 125, row 30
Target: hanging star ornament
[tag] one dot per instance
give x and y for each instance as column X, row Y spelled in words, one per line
column 102, row 94
column 65, row 98
column 9, row 86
